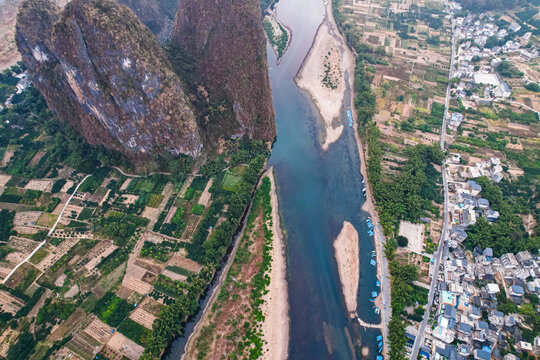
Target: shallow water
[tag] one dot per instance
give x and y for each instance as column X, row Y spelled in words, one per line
column 317, row 191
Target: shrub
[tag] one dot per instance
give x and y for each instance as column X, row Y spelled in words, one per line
column 402, row 241
column 197, row 209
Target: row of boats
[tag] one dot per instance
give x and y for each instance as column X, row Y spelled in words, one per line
column 380, row 344
column 371, row 232
column 374, row 294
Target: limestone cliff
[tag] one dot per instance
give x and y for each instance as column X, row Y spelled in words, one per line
column 225, row 40
column 104, row 72
column 158, row 15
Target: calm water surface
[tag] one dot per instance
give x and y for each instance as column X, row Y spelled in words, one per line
column 317, row 191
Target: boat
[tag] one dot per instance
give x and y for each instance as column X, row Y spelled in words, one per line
column 374, row 293
column 377, row 310
column 378, row 283
column 349, row 115
column 372, row 300
column 371, row 233
column 373, row 262
column 379, row 357
column 379, row 338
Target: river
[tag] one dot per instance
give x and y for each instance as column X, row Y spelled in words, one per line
column 317, row 191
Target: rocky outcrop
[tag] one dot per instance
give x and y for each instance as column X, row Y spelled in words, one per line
column 158, row 15
column 103, row 71
column 225, row 39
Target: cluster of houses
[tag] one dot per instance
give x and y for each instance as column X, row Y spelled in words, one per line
column 473, row 33
column 477, row 30
column 466, row 207
column 491, row 168
column 466, row 202
column 455, row 120
column 468, row 322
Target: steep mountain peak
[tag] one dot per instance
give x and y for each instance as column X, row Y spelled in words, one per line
column 225, row 39
column 103, row 71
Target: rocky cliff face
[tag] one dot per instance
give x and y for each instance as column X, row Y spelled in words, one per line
column 225, row 39
column 103, row 71
column 158, row 15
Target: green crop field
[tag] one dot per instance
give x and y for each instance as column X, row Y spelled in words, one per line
column 230, row 181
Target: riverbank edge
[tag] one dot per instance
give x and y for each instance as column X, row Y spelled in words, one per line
column 383, row 300
column 276, row 325
column 190, row 342
column 190, row 346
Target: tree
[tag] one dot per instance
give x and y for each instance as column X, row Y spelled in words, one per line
column 402, row 241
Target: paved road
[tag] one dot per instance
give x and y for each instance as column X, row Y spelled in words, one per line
column 48, row 234
column 442, row 249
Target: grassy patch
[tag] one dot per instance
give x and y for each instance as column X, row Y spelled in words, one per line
column 86, row 214
column 230, row 181
column 111, row 309
column 197, row 209
column 155, row 200
column 11, row 195
column 38, row 256
column 189, row 193
column 178, row 270
column 134, row 331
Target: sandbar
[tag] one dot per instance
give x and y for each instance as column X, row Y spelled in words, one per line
column 322, row 76
column 346, row 250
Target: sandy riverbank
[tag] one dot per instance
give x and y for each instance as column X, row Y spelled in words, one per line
column 275, row 308
column 322, row 76
column 346, row 250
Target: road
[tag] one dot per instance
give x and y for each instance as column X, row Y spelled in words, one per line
column 48, row 234
column 525, row 106
column 442, row 249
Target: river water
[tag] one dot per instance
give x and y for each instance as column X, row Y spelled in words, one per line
column 317, row 191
